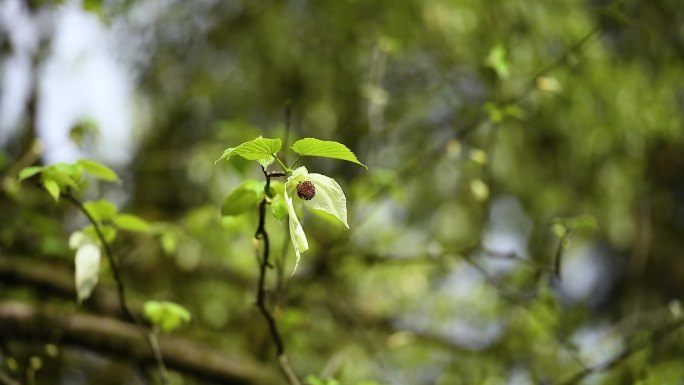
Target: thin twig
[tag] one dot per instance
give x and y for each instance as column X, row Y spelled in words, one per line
column 7, row 380
column 558, row 256
column 261, row 291
column 121, row 290
column 656, row 337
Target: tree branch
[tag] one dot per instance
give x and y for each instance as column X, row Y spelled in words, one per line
column 261, row 291
column 654, row 338
column 144, row 330
column 118, row 338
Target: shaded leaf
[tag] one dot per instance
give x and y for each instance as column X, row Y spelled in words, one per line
column 243, row 198
column 109, row 233
column 279, row 209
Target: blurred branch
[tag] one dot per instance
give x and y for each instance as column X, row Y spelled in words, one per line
column 7, row 380
column 557, row 62
column 261, row 292
column 558, row 256
column 148, row 334
column 654, row 338
column 114, row 337
column 516, row 298
column 28, row 158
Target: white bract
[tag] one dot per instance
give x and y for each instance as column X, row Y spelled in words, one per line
column 327, row 196
column 87, row 263
column 87, row 270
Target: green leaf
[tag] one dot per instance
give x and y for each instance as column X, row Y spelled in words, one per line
column 279, row 209
column 326, row 149
column 259, row 149
column 109, row 233
column 101, row 210
column 131, row 223
column 276, row 188
column 98, row 170
column 168, row 316
column 497, row 60
column 52, row 188
column 243, row 198
column 66, row 175
column 29, row 172
column 583, row 222
column 169, row 242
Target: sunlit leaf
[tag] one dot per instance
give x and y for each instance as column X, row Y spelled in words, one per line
column 497, row 60
column 168, row 316
column 324, row 148
column 29, row 172
column 131, row 223
column 98, row 170
column 259, row 149
column 169, row 242
column 101, row 210
column 52, row 187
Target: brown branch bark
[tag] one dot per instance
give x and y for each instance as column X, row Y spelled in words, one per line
column 264, row 264
column 113, row 337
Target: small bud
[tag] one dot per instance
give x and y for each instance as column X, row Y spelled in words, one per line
column 306, row 190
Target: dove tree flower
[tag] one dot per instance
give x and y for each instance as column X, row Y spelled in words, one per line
column 315, row 191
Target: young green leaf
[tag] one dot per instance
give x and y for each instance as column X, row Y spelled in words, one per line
column 87, row 270
column 324, row 148
column 29, row 172
column 101, row 210
column 169, row 242
column 243, row 198
column 98, row 170
column 109, row 233
column 66, row 174
column 279, row 209
column 52, row 187
column 131, row 223
column 497, row 60
column 259, row 149
column 168, row 316
column 276, row 188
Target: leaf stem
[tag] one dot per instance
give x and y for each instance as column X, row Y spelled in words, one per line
column 285, row 168
column 295, row 162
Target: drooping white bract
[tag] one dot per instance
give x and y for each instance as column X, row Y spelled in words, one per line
column 328, row 197
column 87, row 263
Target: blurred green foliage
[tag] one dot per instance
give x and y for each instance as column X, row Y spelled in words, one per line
column 490, row 130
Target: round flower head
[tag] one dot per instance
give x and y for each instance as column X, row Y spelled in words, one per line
column 306, row 190
column 318, row 192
